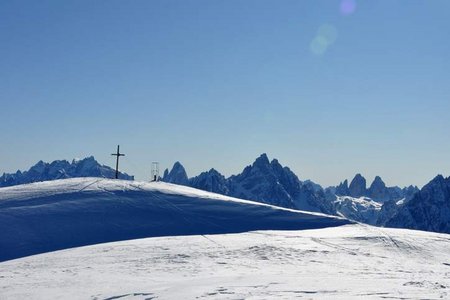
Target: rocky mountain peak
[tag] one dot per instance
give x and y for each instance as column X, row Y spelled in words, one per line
column 214, row 172
column 342, row 189
column 437, row 190
column 177, row 175
column 38, row 167
column 439, row 179
column 428, row 210
column 378, row 190
column 378, row 183
column 262, row 161
column 211, row 181
column 357, row 187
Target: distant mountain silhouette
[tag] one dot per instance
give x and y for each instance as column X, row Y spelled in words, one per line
column 61, row 169
column 264, row 181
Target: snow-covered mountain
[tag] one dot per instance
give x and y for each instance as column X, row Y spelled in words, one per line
column 374, row 205
column 47, row 216
column 269, row 182
column 428, row 210
column 387, row 211
column 361, row 209
column 211, row 181
column 264, row 181
column 177, row 175
column 61, row 169
column 378, row 191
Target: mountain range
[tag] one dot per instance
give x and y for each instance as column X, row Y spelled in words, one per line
column 377, row 191
column 61, row 169
column 267, row 181
column 264, row 181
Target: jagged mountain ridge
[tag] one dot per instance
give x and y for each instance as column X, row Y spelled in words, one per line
column 428, row 210
column 269, row 182
column 211, row 181
column 374, row 205
column 61, row 169
column 264, row 181
column 378, row 191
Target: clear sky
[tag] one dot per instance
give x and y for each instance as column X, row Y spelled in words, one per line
column 330, row 88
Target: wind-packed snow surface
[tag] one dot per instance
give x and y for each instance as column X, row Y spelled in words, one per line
column 209, row 246
column 346, row 262
column 54, row 215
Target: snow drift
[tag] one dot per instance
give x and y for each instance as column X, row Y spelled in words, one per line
column 54, row 215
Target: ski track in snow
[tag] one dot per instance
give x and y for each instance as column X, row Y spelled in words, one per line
column 48, row 216
column 353, row 261
column 348, row 262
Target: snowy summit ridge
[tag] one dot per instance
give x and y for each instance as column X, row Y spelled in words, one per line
column 59, row 214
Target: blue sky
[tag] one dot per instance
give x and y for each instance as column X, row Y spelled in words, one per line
column 216, row 83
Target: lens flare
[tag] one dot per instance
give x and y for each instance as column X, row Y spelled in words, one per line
column 348, row 7
column 319, row 45
column 329, row 32
column 326, row 36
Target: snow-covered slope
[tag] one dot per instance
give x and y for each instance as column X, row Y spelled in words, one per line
column 361, row 209
column 52, row 215
column 61, row 169
column 347, row 262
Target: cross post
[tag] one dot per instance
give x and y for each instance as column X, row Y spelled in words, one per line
column 118, row 154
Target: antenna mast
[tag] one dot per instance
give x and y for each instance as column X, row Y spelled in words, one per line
column 155, row 171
